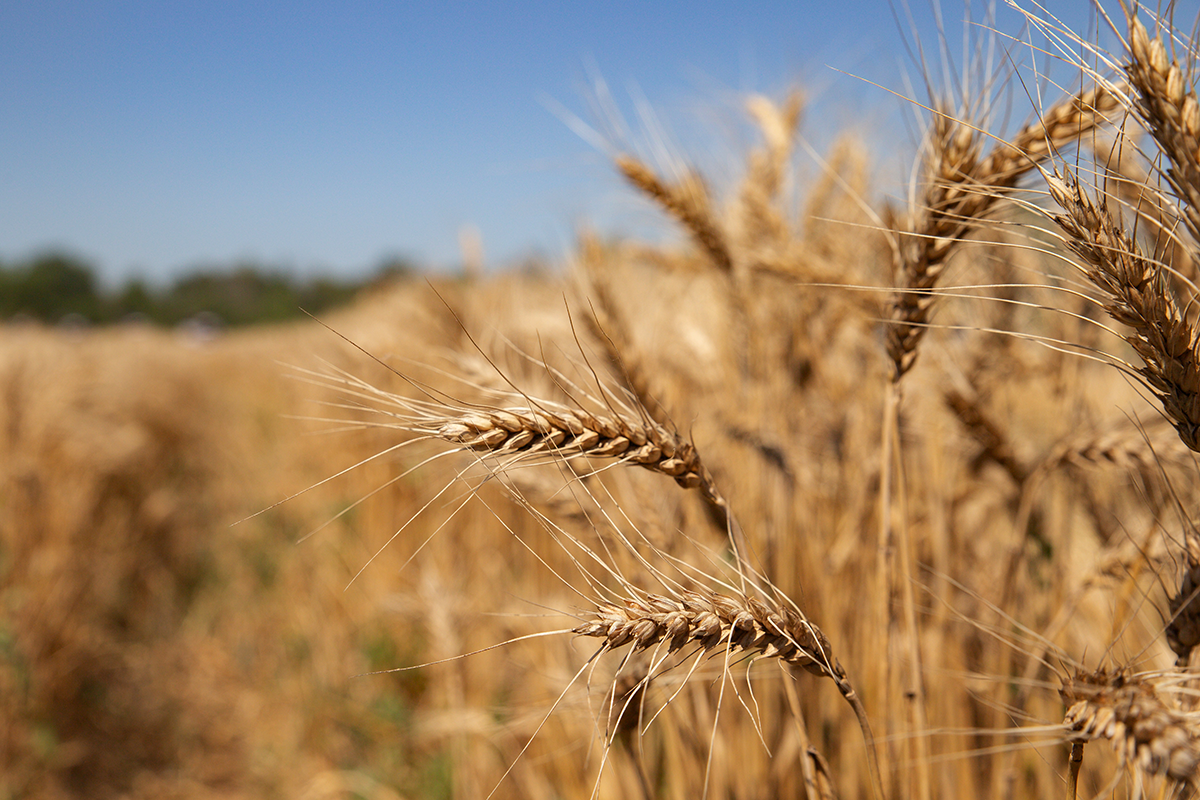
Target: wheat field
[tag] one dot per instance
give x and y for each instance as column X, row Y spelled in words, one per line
column 830, row 496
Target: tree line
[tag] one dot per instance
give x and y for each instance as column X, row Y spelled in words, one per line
column 59, row 288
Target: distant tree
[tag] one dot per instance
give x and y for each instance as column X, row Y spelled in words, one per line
column 320, row 294
column 135, row 299
column 54, row 286
column 49, row 287
column 393, row 268
column 245, row 295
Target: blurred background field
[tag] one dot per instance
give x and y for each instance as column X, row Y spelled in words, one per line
column 152, row 648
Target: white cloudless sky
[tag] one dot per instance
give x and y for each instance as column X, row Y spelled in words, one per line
column 155, row 137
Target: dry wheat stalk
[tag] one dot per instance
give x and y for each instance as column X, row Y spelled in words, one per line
column 688, row 201
column 1137, row 295
column 1166, row 102
column 1147, row 733
column 962, row 189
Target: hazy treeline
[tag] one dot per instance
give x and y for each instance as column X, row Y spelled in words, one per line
column 58, row 287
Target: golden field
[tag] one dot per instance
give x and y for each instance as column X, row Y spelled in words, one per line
column 701, row 493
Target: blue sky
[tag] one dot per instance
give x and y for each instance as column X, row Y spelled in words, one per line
column 152, row 138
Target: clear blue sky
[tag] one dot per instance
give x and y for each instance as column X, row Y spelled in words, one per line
column 155, row 137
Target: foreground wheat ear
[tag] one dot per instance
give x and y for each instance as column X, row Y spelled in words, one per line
column 1136, row 294
column 727, row 624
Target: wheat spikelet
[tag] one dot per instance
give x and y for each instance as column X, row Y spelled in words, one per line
column 1145, row 731
column 962, row 189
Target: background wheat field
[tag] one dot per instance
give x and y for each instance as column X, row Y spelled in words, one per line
column 831, row 496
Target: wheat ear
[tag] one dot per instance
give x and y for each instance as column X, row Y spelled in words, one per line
column 962, row 189
column 1166, row 102
column 688, row 201
column 559, row 431
column 1137, row 295
column 730, row 624
column 756, row 217
column 994, row 443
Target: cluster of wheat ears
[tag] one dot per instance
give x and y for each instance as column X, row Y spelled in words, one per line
column 939, row 456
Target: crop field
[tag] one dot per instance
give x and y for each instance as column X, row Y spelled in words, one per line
column 829, row 496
